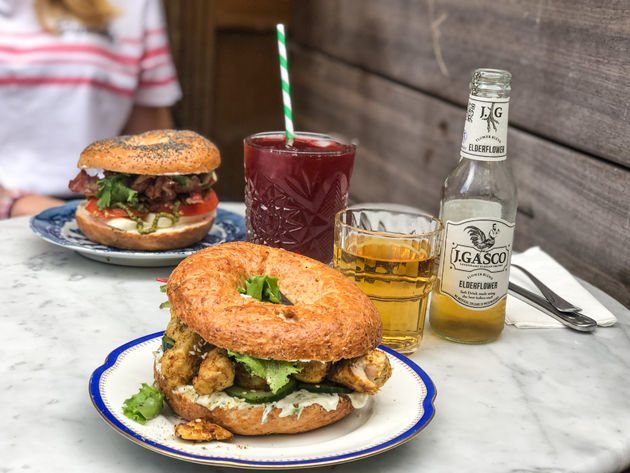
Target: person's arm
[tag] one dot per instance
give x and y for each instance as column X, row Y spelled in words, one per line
column 144, row 118
column 32, row 204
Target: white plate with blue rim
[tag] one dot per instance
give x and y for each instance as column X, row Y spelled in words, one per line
column 58, row 226
column 400, row 411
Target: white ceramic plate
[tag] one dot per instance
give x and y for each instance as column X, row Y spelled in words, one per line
column 402, row 408
column 58, row 226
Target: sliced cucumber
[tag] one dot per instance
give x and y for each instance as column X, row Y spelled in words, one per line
column 257, row 396
column 167, row 342
column 325, row 387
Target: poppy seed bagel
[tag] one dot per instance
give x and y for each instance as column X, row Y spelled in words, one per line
column 155, row 152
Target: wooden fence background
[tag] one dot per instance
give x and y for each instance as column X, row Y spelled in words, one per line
column 394, row 75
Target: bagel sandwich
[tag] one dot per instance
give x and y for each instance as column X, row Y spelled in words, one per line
column 265, row 341
column 147, row 192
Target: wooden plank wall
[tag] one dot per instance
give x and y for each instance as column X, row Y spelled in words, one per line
column 394, row 75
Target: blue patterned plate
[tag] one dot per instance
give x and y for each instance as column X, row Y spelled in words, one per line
column 58, row 226
column 400, row 411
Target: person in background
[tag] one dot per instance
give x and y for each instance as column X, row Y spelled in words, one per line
column 72, row 72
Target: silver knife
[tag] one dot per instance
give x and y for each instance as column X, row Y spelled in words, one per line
column 574, row 320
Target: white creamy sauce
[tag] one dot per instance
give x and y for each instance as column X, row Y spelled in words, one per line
column 293, row 404
column 164, row 224
column 212, row 401
column 297, row 401
column 358, row 400
column 157, row 356
column 99, row 172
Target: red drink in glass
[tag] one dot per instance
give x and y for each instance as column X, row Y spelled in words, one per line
column 293, row 193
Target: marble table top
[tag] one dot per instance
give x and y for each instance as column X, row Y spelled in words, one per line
column 551, row 400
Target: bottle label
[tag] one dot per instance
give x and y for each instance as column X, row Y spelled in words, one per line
column 485, row 129
column 475, row 261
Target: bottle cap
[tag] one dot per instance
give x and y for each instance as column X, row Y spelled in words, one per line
column 490, row 81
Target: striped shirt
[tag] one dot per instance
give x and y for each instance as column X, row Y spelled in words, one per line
column 58, row 93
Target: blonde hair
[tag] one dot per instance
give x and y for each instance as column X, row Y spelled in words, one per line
column 93, row 14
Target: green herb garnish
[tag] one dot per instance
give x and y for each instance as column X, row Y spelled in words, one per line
column 275, row 372
column 113, row 189
column 144, row 405
column 263, row 288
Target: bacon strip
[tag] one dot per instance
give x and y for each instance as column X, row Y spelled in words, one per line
column 83, row 183
column 157, row 193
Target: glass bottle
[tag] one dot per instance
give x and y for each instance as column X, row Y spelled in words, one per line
column 478, row 208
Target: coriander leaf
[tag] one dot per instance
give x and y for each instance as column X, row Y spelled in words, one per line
column 275, row 372
column 113, row 189
column 144, row 405
column 263, row 288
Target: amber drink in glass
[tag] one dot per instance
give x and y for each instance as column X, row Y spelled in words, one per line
column 393, row 257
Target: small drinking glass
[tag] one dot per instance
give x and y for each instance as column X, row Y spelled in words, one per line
column 393, row 256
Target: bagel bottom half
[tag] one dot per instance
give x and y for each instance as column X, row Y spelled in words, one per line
column 96, row 229
column 248, row 420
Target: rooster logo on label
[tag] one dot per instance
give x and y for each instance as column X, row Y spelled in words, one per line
column 479, row 238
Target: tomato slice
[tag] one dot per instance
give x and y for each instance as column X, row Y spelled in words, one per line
column 106, row 213
column 210, row 202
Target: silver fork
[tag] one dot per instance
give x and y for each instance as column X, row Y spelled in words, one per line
column 554, row 299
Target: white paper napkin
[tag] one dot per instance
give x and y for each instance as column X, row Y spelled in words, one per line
column 550, row 272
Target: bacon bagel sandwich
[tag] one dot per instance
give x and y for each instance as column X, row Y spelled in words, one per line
column 265, row 341
column 147, row 192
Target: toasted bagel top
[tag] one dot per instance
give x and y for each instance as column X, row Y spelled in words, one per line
column 153, row 153
column 331, row 317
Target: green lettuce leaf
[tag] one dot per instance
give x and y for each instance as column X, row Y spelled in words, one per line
column 113, row 189
column 263, row 288
column 144, row 405
column 275, row 372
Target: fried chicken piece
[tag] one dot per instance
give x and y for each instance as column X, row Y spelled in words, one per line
column 312, row 371
column 180, row 363
column 216, row 372
column 176, row 328
column 249, row 381
column 365, row 374
column 201, row 430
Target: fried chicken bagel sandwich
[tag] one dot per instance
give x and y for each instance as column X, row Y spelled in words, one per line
column 265, row 341
column 147, row 192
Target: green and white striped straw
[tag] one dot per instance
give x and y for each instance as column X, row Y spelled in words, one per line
column 286, row 91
